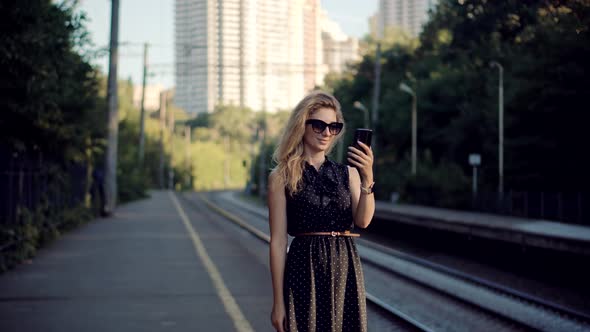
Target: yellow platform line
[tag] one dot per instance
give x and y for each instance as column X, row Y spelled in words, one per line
column 229, row 303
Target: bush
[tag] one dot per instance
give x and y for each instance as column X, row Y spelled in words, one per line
column 442, row 185
column 36, row 229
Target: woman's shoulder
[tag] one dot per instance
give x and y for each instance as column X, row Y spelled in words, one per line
column 274, row 178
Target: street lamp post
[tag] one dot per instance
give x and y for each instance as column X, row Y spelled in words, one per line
column 358, row 105
column 405, row 88
column 474, row 161
column 500, row 128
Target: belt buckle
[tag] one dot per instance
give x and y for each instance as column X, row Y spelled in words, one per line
column 334, row 233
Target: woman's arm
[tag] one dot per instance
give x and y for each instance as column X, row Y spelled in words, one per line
column 363, row 204
column 277, row 215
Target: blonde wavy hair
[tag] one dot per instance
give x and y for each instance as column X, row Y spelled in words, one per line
column 288, row 155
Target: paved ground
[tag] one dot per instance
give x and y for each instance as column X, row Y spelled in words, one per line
column 159, row 264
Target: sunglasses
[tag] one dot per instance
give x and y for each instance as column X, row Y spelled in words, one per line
column 319, row 126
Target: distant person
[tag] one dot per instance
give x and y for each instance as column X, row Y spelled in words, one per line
column 98, row 183
column 318, row 285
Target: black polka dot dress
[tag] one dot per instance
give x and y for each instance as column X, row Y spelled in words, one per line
column 323, row 286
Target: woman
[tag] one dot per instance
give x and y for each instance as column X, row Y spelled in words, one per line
column 318, row 285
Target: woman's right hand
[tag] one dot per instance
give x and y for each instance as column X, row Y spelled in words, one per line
column 277, row 317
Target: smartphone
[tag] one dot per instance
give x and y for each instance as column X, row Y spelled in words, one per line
column 363, row 135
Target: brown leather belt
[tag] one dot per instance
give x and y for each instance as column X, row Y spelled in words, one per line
column 345, row 233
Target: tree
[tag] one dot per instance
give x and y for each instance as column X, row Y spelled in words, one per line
column 49, row 90
column 542, row 46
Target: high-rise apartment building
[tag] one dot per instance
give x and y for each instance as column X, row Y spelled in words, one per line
column 409, row 15
column 261, row 54
column 279, row 48
column 241, row 52
column 210, row 48
column 312, row 52
column 339, row 49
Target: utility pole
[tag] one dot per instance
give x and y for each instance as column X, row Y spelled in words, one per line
column 226, row 162
column 500, row 129
column 262, row 161
column 113, row 120
column 405, row 88
column 414, row 132
column 142, row 116
column 242, row 47
column 187, row 135
column 252, row 162
column 163, row 97
column 171, row 168
column 376, row 92
column 501, row 134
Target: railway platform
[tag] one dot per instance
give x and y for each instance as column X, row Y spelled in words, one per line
column 160, row 264
column 537, row 233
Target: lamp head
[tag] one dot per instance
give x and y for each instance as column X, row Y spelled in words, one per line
column 405, row 88
column 359, row 105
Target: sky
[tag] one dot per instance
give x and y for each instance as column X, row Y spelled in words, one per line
column 152, row 21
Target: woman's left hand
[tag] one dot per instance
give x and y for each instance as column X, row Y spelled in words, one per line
column 362, row 160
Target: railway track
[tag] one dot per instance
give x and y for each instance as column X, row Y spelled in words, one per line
column 402, row 321
column 478, row 300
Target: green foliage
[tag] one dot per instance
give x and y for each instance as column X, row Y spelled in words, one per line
column 36, row 229
column 133, row 181
column 199, row 121
column 51, row 112
column 49, row 91
column 208, row 166
column 29, row 230
column 392, row 37
column 262, row 166
column 543, row 47
column 232, row 122
column 443, row 185
column 226, row 143
column 72, row 218
column 212, row 158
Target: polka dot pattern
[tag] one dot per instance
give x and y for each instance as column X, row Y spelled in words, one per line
column 324, row 285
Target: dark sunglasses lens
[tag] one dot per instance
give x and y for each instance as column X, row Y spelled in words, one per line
column 335, row 128
column 318, row 126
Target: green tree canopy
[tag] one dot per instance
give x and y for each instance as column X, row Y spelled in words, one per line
column 542, row 46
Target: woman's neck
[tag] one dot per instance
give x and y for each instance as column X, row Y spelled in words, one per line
column 316, row 159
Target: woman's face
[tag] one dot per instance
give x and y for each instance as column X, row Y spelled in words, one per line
column 319, row 142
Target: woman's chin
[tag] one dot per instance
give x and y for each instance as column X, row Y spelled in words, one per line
column 322, row 147
column 318, row 147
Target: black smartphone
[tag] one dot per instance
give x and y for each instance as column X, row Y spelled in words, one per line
column 363, row 135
